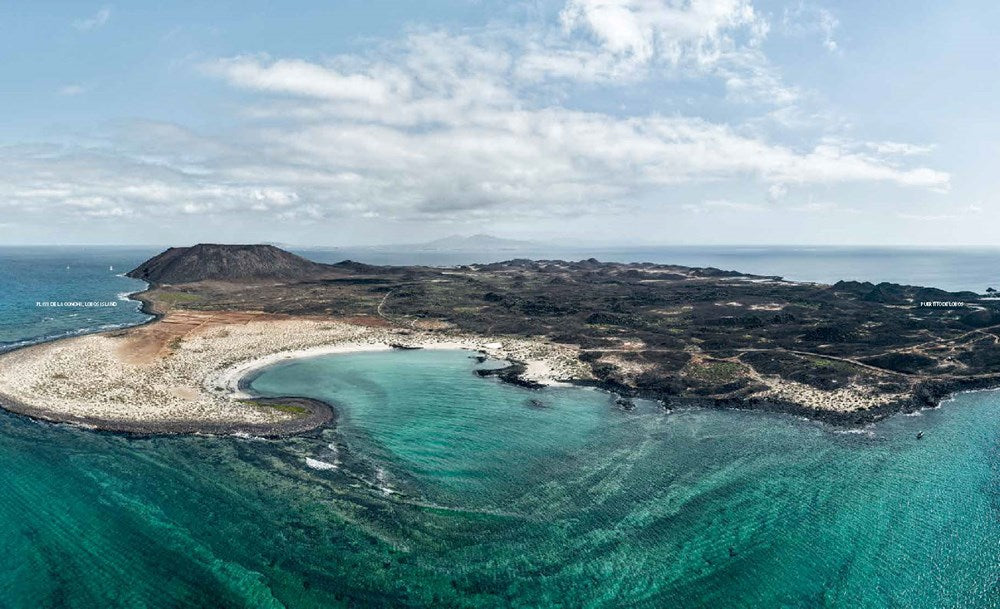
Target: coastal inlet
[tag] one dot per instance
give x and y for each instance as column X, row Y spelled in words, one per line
column 438, row 488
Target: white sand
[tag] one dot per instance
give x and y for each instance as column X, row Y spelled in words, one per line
column 196, row 378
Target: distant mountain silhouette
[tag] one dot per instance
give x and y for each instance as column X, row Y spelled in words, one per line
column 474, row 243
column 226, row 263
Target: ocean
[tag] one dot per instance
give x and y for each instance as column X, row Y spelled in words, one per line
column 438, row 488
column 50, row 292
column 949, row 269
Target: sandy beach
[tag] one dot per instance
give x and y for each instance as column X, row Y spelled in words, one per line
column 182, row 373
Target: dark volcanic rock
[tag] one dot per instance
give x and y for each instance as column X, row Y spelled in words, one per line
column 226, row 263
column 677, row 334
column 897, row 294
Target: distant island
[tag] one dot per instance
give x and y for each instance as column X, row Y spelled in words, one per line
column 473, row 244
column 847, row 353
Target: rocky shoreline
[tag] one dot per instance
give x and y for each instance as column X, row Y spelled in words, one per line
column 320, row 413
column 929, row 398
column 229, row 385
column 191, row 372
column 846, row 354
column 512, row 374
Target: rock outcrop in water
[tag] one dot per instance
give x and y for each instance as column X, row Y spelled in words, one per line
column 227, row 263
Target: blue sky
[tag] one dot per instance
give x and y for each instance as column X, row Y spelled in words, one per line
column 577, row 121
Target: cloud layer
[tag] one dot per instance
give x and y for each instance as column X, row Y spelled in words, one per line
column 484, row 124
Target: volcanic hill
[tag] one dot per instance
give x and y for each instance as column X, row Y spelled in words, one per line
column 209, row 261
column 850, row 352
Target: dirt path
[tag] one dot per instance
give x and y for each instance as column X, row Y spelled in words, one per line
column 381, row 304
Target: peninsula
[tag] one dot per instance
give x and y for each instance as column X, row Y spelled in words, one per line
column 847, row 353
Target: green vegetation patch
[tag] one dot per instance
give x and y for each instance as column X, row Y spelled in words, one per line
column 176, row 297
column 833, row 364
column 280, row 407
column 289, row 408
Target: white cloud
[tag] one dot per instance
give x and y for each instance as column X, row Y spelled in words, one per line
column 822, row 207
column 749, row 78
column 70, row 90
column 723, row 205
column 612, row 40
column 644, row 30
column 777, row 191
column 899, row 148
column 296, row 77
column 805, row 19
column 95, row 21
column 441, row 126
column 90, row 184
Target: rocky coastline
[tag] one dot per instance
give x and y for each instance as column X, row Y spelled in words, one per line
column 315, row 413
column 319, row 414
column 928, row 397
column 846, row 354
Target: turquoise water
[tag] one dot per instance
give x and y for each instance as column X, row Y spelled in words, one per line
column 440, row 488
column 575, row 502
column 449, row 490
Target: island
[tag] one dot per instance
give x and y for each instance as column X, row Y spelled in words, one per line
column 847, row 354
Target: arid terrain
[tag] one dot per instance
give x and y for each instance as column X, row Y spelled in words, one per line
column 183, row 372
column 847, row 353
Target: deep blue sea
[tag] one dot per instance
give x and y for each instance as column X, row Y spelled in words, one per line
column 437, row 488
column 48, row 292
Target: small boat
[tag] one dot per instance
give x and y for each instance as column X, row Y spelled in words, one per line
column 111, row 268
column 920, row 435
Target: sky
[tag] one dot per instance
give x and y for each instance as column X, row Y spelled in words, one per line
column 609, row 122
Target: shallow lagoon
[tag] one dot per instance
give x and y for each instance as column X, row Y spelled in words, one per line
column 441, row 488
